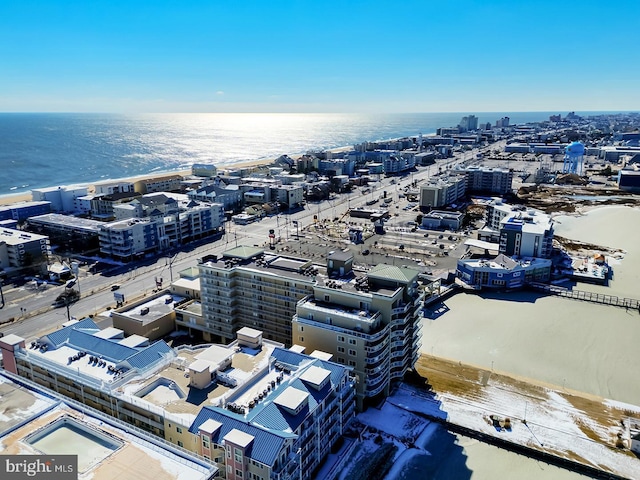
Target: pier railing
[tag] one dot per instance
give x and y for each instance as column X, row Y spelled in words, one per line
column 587, row 296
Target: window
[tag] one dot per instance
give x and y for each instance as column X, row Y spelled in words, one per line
column 229, row 452
column 205, row 441
column 301, row 339
column 340, row 338
column 352, row 341
column 341, row 360
column 301, row 328
column 326, row 298
column 340, row 349
column 352, row 363
column 238, row 473
column 178, row 429
column 180, row 444
column 238, row 455
column 352, row 352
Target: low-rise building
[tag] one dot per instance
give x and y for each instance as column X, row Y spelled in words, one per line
column 502, row 272
column 204, row 170
column 152, row 318
column 438, row 219
column 168, row 183
column 20, row 249
column 81, row 233
column 21, row 211
column 62, row 198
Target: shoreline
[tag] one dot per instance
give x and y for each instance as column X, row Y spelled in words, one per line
column 19, row 197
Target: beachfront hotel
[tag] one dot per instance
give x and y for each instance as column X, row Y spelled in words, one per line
column 250, row 408
column 368, row 322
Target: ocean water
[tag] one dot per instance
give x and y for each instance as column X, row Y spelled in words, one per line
column 43, row 150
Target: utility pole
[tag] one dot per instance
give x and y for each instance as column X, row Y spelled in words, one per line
column 170, row 263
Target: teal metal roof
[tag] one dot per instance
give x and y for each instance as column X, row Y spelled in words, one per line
column 391, row 272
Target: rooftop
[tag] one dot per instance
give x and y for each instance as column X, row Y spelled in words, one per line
column 29, row 413
column 16, row 237
column 86, row 224
column 149, row 311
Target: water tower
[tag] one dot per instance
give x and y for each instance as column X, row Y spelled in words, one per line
column 573, row 158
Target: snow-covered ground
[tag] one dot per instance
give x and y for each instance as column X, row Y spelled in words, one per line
column 552, row 425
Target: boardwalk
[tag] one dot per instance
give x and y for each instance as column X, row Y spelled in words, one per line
column 587, row 296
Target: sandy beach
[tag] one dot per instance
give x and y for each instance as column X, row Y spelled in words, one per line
column 26, row 196
column 568, row 343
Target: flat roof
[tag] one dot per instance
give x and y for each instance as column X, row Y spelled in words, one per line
column 249, row 332
column 57, row 219
column 215, row 354
column 210, row 426
column 12, row 339
column 472, row 242
column 291, row 398
column 138, row 454
column 239, row 438
column 151, row 310
column 134, row 341
column 109, row 332
column 314, row 375
column 243, row 252
column 16, row 237
column 321, row 355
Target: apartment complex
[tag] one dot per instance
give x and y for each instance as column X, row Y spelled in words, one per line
column 23, row 210
column 520, row 231
column 62, row 198
column 370, row 323
column 37, row 421
column 249, row 287
column 251, row 408
column 488, row 180
column 20, row 249
column 161, row 229
column 442, row 192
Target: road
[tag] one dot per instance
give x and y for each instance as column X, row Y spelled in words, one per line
column 33, row 315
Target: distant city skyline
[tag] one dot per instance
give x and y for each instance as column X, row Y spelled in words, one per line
column 329, row 56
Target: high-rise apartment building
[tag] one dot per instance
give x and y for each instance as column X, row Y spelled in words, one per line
column 369, row 322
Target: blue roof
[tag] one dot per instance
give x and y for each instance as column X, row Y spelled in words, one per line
column 62, row 335
column 267, row 422
column 271, row 416
column 266, row 444
column 101, row 346
column 149, row 355
column 296, row 359
column 81, row 336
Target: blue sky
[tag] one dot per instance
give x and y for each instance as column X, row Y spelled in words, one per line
column 318, row 56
